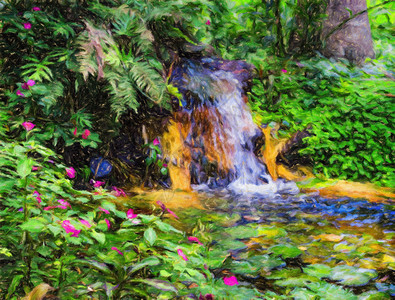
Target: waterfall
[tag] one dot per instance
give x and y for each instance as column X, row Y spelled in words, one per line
column 218, row 131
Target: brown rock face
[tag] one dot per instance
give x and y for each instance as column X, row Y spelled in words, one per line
column 353, row 40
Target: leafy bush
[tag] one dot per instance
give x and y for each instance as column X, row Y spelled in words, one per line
column 349, row 110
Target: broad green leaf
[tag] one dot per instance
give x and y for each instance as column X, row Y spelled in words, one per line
column 159, row 284
column 33, row 225
column 285, row 251
column 14, row 283
column 318, row 270
column 352, row 276
column 150, row 236
column 166, row 227
column 149, row 261
column 24, row 167
column 99, row 236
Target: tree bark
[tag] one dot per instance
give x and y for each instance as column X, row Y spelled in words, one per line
column 343, row 38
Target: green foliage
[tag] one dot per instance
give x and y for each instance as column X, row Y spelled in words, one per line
column 349, row 111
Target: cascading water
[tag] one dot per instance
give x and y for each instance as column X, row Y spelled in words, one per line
column 217, row 131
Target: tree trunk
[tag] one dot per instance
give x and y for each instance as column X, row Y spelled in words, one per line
column 350, row 39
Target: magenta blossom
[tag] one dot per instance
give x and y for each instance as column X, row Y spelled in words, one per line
column 75, row 131
column 108, row 223
column 37, row 195
column 118, row 192
column 232, row 280
column 86, row 223
column 206, row 297
column 130, row 214
column 116, row 249
column 194, row 239
column 284, row 71
column 64, row 204
column 70, row 172
column 24, row 86
column 70, row 228
column 104, row 210
column 21, row 209
column 19, row 93
column 28, row 125
column 208, row 22
column 34, row 168
column 173, row 214
column 162, row 206
column 85, row 134
column 49, row 207
column 155, row 142
column 31, row 82
column 27, row 25
column 180, row 253
column 165, row 165
column 98, row 183
column 35, row 8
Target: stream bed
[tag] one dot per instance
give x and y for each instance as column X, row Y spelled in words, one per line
column 301, row 247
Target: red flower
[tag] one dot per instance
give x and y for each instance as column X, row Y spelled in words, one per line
column 86, row 134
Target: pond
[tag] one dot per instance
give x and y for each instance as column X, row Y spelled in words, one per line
column 312, row 246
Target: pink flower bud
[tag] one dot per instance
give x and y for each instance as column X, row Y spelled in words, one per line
column 86, row 134
column 28, row 125
column 116, row 249
column 27, row 25
column 232, row 280
column 70, row 172
column 180, row 253
column 19, row 93
column 35, row 8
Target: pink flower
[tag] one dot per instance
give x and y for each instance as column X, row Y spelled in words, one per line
column 173, row 214
column 104, row 210
column 194, row 239
column 27, row 25
column 180, row 253
column 21, row 209
column 75, row 131
column 64, row 204
column 206, row 297
column 118, row 192
column 28, row 125
column 155, row 142
column 208, row 22
column 108, row 223
column 49, row 207
column 116, row 249
column 34, row 168
column 31, row 82
column 19, row 93
column 24, row 86
column 86, row 223
column 162, row 206
column 51, row 161
column 232, row 280
column 38, row 198
column 98, row 183
column 70, row 172
column 86, row 134
column 70, row 228
column 165, row 165
column 35, row 8
column 284, row 71
column 130, row 214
